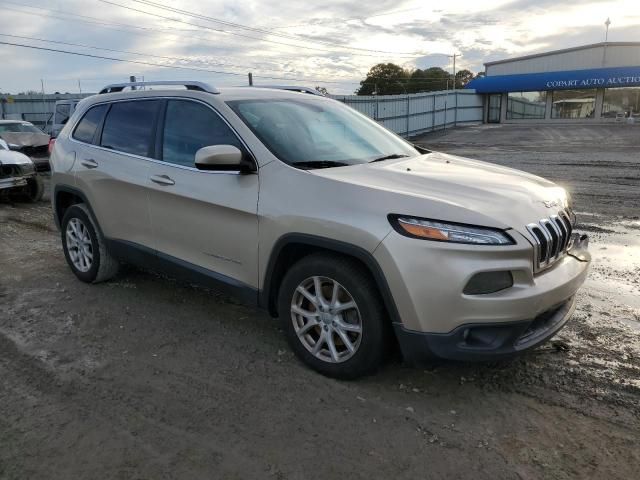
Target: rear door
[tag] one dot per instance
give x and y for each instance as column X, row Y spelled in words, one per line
column 207, row 219
column 114, row 171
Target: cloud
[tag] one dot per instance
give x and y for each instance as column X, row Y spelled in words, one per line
column 480, row 31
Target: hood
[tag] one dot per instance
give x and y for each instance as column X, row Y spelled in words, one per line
column 26, row 139
column 447, row 187
column 8, row 157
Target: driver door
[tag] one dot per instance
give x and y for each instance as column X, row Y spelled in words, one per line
column 205, row 221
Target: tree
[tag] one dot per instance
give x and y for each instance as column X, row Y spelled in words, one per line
column 390, row 79
column 429, row 80
column 463, row 77
column 384, row 79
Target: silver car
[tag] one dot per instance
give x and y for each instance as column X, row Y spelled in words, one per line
column 355, row 238
column 18, row 177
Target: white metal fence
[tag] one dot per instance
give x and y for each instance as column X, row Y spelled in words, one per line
column 407, row 115
column 417, row 113
column 37, row 109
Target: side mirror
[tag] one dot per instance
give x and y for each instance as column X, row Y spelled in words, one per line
column 222, row 157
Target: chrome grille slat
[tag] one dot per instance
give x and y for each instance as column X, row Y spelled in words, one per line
column 551, row 238
column 563, row 227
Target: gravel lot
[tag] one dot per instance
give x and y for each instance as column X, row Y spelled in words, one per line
column 146, row 378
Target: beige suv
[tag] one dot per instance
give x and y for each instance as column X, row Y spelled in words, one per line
column 355, row 238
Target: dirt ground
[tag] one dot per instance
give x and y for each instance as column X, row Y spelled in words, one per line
column 146, row 378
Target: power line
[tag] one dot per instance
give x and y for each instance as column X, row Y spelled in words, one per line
column 180, row 59
column 324, row 21
column 431, row 79
column 140, row 62
column 145, row 30
column 227, row 23
column 248, row 36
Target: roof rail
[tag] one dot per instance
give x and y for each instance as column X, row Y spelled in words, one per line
column 293, row 88
column 200, row 86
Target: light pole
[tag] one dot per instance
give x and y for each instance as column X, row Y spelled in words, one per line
column 606, row 38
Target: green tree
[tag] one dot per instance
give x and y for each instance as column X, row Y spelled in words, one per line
column 463, row 77
column 384, row 79
column 429, row 80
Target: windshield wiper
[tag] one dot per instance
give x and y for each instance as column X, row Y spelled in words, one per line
column 393, row 156
column 319, row 164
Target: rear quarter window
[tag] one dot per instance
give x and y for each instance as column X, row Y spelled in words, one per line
column 87, row 126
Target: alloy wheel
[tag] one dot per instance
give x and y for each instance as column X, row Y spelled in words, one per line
column 79, row 245
column 326, row 319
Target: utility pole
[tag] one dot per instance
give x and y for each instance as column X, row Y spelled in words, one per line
column 606, row 39
column 44, row 104
column 79, row 87
column 250, row 79
column 454, row 70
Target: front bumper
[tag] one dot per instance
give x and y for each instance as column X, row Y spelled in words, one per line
column 427, row 280
column 478, row 342
column 13, row 182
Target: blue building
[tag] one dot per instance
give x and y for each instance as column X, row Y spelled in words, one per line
column 591, row 83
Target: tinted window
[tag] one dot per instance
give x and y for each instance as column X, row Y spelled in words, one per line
column 86, row 128
column 189, row 126
column 129, row 127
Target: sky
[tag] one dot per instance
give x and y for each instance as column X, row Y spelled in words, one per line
column 331, row 44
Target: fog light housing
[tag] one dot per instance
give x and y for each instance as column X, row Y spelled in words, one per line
column 488, row 282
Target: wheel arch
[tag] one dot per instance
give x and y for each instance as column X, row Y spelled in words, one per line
column 293, row 246
column 65, row 196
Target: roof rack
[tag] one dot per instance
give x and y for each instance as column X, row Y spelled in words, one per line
column 292, row 88
column 200, row 86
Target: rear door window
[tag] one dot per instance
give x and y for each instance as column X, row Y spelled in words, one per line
column 86, row 129
column 130, row 127
column 188, row 127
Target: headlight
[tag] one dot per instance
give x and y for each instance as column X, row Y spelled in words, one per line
column 448, row 232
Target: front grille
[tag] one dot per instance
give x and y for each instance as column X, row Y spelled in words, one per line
column 552, row 238
column 39, row 151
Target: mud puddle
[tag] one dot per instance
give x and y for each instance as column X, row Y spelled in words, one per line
column 614, row 280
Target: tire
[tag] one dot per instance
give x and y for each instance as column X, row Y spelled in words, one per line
column 32, row 193
column 370, row 343
column 34, row 189
column 102, row 266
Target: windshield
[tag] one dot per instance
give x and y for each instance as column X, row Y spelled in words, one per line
column 319, row 134
column 18, row 128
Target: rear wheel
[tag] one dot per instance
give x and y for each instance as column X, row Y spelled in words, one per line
column 84, row 248
column 334, row 318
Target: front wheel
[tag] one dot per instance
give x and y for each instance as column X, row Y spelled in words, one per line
column 32, row 192
column 334, row 318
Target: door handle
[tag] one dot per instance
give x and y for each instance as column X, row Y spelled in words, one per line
column 162, row 180
column 89, row 163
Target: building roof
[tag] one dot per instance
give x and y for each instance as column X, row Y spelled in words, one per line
column 565, row 50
